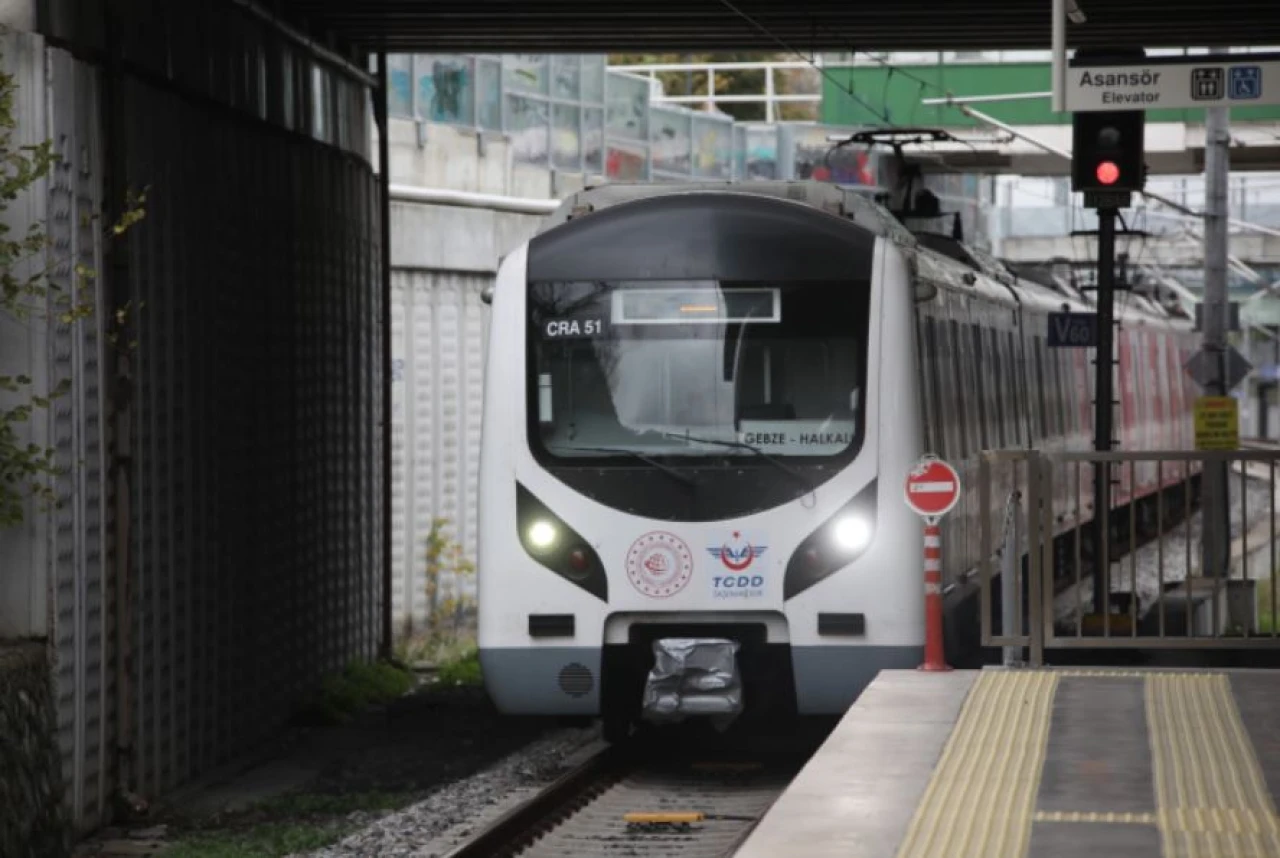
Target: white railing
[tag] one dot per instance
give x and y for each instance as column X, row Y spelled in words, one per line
column 768, row 94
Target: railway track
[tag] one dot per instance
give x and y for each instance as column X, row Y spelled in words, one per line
column 644, row 800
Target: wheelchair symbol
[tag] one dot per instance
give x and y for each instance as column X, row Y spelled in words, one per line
column 1246, row 82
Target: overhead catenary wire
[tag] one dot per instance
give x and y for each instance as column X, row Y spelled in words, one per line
column 848, row 90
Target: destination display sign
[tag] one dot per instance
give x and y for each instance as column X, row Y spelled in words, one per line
column 695, row 306
column 797, row 437
column 1156, row 83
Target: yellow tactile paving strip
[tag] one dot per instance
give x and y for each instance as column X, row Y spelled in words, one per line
column 1211, row 797
column 980, row 800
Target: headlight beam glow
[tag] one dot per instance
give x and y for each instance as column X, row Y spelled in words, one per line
column 542, row 534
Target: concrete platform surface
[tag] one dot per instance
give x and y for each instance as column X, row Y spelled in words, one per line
column 1041, row 764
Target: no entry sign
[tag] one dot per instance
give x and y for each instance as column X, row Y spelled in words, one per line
column 933, row 487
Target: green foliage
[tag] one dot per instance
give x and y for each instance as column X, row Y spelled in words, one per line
column 288, row 824
column 26, row 295
column 462, row 670
column 449, row 608
column 271, row 840
column 344, row 694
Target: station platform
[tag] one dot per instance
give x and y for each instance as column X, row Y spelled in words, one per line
column 1021, row 763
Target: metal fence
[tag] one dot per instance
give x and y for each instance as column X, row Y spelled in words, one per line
column 1040, row 564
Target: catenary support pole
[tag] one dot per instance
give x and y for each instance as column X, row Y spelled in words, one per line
column 1215, row 503
column 1104, row 404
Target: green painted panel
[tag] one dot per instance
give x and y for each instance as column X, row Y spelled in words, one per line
column 874, row 95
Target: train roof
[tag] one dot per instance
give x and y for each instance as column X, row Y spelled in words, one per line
column 1055, row 296
column 936, row 258
column 833, row 199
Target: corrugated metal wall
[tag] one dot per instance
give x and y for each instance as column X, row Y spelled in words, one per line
column 256, row 484
column 84, row 597
column 439, row 330
column 250, row 558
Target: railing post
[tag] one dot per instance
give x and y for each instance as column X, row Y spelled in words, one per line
column 1035, row 621
column 1042, row 589
column 985, row 549
column 1010, row 592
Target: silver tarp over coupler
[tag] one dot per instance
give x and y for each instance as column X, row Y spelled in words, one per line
column 693, row 676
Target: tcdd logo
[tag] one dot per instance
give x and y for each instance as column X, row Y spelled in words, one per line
column 738, row 554
column 726, row 581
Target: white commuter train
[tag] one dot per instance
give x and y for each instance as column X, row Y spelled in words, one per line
column 701, row 403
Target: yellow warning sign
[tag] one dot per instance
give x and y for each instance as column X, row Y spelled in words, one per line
column 1217, row 423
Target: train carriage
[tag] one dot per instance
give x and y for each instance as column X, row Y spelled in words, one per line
column 701, row 402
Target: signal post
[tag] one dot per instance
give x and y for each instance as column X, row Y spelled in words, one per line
column 1107, row 165
column 1097, row 84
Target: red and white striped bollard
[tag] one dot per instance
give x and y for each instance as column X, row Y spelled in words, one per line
column 934, row 651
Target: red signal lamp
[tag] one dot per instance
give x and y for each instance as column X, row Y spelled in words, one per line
column 1108, row 173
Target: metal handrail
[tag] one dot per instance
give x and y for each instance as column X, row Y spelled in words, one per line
column 1035, row 470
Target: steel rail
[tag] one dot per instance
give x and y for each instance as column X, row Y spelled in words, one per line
column 521, row 825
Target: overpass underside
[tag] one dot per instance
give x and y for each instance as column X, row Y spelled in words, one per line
column 218, row 541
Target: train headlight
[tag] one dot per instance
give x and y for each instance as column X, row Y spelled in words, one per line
column 852, row 533
column 542, row 534
column 553, row 544
column 834, row 544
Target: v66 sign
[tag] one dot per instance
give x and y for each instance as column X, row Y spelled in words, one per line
column 933, row 488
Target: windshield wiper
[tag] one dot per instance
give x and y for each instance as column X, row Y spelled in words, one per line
column 774, row 460
column 666, row 469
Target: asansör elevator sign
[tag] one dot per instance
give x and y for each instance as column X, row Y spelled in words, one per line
column 1154, row 83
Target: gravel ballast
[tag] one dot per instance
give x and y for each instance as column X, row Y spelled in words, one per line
column 441, row 821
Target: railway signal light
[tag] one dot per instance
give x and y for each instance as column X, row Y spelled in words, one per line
column 1107, row 151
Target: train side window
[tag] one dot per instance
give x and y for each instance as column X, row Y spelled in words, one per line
column 1059, row 394
column 1065, row 380
column 997, row 392
column 1016, row 415
column 946, row 393
column 922, row 374
column 955, row 357
column 1049, row 396
column 1042, row 380
column 1035, row 381
column 1029, row 380
column 930, row 345
column 976, row 366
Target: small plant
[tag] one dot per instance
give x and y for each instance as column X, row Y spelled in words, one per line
column 462, row 670
column 273, row 840
column 449, row 608
column 344, row 694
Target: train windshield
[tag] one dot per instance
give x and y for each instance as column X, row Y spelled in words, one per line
column 696, row 368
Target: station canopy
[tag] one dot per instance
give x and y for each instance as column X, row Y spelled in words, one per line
column 596, row 26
